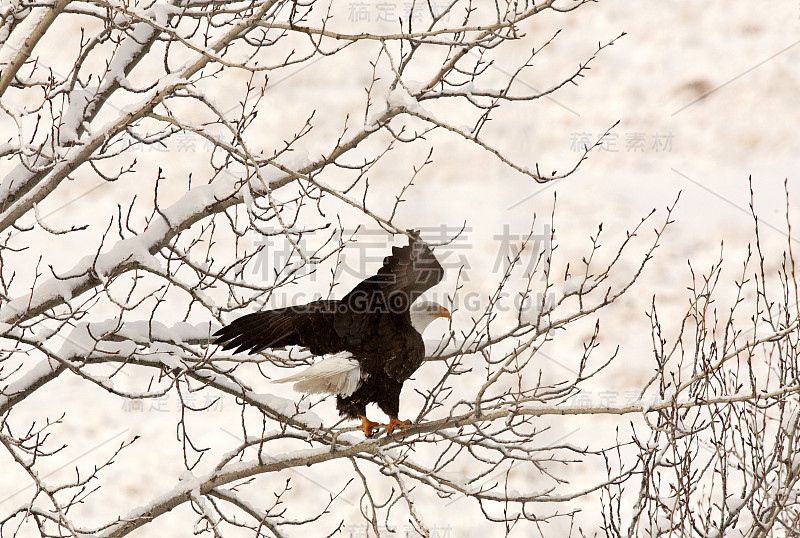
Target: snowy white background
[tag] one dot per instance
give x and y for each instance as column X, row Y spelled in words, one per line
column 706, row 95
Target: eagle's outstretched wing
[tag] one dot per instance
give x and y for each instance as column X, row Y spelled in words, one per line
column 406, row 274
column 309, row 325
column 372, row 321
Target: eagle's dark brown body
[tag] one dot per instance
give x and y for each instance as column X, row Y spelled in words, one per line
column 372, row 322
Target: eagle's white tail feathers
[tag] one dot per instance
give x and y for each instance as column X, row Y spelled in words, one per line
column 337, row 374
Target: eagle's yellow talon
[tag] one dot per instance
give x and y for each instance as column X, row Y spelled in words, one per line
column 367, row 425
column 395, row 422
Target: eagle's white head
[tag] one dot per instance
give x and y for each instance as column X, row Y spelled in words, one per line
column 424, row 312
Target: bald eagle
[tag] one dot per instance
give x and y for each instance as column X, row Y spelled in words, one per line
column 370, row 339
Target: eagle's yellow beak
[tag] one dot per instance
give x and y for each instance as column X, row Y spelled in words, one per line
column 443, row 313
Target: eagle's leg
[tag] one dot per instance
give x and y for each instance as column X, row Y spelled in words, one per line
column 368, row 425
column 393, row 421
